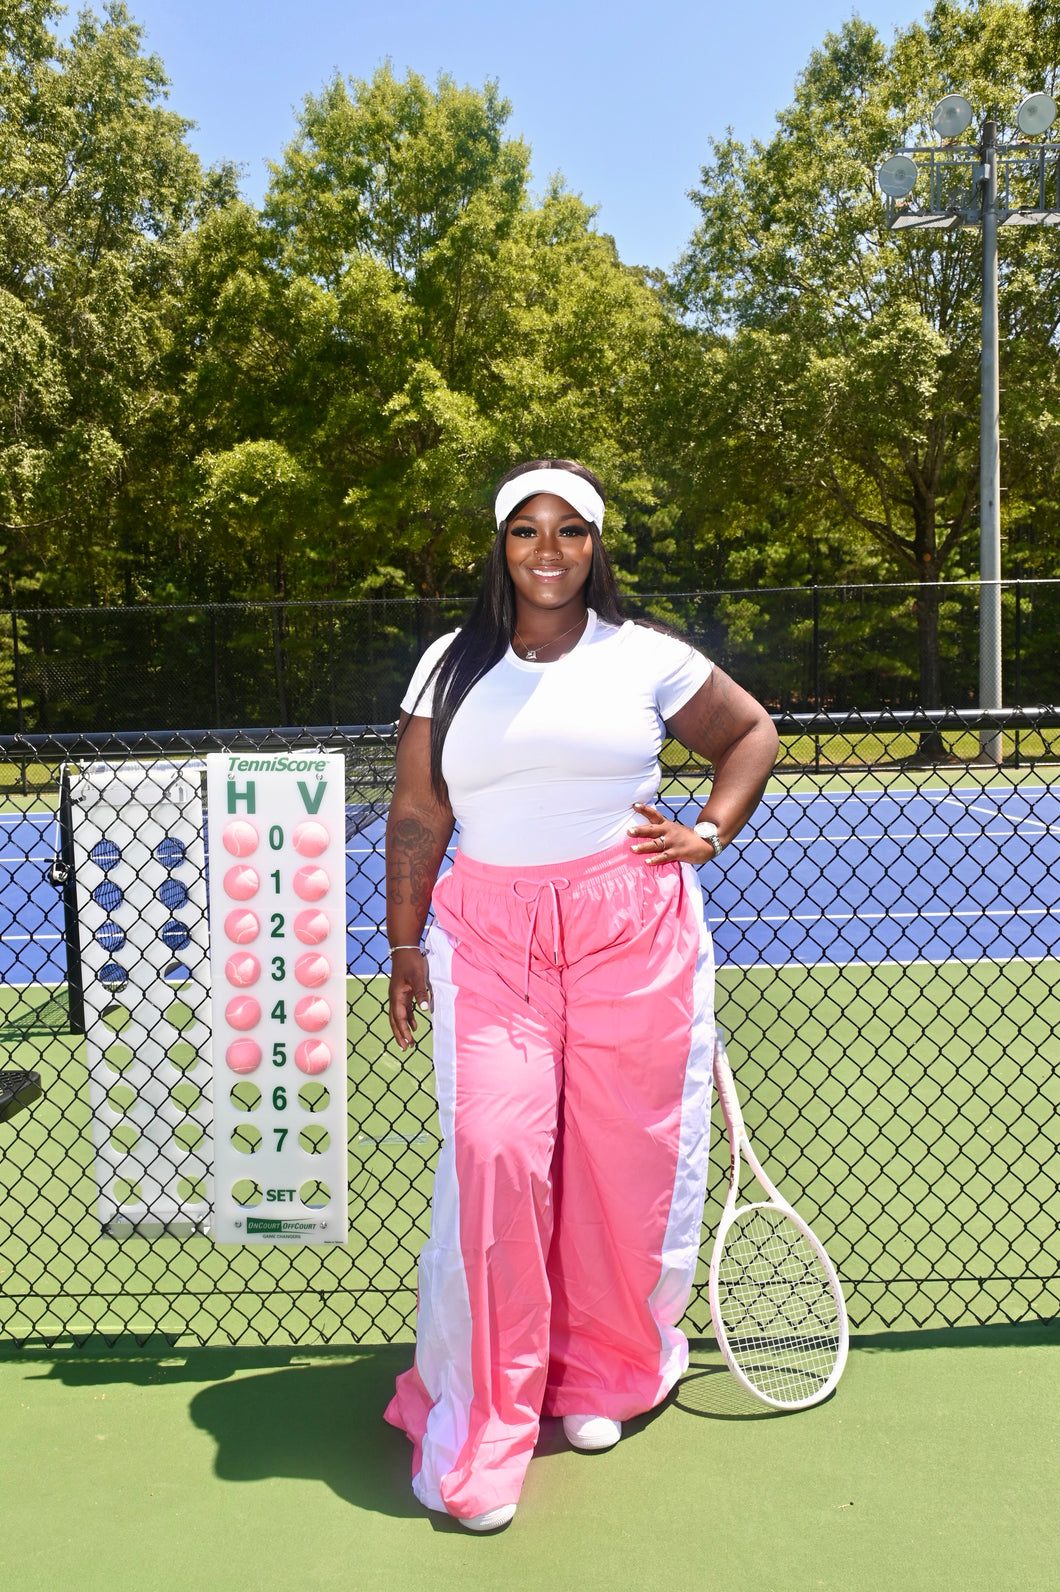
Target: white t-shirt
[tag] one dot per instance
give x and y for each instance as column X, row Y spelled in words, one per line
column 543, row 761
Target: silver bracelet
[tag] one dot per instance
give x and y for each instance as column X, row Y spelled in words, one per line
column 391, row 949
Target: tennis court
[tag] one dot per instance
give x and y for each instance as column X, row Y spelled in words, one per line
column 888, row 979
column 914, row 874
column 935, row 1469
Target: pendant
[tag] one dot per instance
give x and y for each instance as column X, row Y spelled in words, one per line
column 531, row 657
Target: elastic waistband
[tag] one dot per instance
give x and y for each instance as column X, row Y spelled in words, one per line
column 574, row 869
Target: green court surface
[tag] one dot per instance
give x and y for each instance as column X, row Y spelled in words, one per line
column 911, row 1113
column 934, row 1468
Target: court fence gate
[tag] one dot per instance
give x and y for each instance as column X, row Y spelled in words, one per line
column 888, row 938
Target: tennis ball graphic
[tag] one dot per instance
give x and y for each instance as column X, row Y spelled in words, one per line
column 310, row 883
column 312, row 1056
column 241, row 882
column 243, row 1012
column 310, row 838
column 312, row 926
column 242, row 969
column 242, row 926
column 312, row 969
column 239, row 837
column 312, row 1013
column 243, row 1055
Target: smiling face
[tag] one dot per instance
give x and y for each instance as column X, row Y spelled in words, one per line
column 549, row 552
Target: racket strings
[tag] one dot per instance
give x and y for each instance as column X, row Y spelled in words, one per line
column 778, row 1307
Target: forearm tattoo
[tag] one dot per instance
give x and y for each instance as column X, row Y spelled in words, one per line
column 414, row 852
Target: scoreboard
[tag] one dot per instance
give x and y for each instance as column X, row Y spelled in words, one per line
column 277, row 859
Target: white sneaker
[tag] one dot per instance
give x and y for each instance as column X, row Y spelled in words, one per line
column 591, row 1432
column 492, row 1520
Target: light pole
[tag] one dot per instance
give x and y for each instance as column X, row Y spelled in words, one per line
column 981, row 185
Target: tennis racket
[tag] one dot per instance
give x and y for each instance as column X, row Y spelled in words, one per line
column 775, row 1300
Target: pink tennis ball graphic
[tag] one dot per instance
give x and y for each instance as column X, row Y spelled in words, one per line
column 242, row 926
column 310, row 838
column 243, row 1055
column 312, row 969
column 239, row 837
column 312, row 1012
column 243, row 968
column 310, row 883
column 242, row 882
column 312, row 926
column 243, row 1012
column 312, row 1056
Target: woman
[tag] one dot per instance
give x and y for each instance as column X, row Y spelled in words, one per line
column 572, row 980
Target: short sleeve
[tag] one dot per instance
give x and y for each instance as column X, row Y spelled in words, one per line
column 679, row 672
column 413, row 701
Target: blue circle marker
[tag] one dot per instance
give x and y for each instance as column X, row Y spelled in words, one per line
column 108, row 896
column 110, row 935
column 175, row 934
column 172, row 893
column 113, row 975
column 170, row 852
column 105, row 854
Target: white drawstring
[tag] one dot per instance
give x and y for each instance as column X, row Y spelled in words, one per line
column 538, row 886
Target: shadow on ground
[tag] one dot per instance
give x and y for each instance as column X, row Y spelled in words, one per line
column 317, row 1414
column 312, row 1415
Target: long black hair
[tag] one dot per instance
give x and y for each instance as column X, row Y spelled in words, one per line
column 484, row 637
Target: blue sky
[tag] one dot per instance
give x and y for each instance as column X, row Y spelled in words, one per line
column 621, row 98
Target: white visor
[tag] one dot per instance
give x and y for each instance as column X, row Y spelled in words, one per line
column 583, row 498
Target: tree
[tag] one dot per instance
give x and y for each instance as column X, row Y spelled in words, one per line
column 405, row 321
column 96, row 189
column 841, row 362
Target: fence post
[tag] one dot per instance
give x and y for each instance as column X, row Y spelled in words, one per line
column 816, row 672
column 16, row 673
column 216, row 670
column 1019, row 653
column 75, row 989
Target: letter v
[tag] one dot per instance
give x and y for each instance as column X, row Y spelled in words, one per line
column 312, row 803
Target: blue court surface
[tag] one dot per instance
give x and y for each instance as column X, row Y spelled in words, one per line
column 901, row 876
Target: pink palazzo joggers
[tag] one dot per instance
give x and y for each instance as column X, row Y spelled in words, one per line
column 573, row 1044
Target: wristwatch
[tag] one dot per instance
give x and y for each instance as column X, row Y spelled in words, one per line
column 709, row 831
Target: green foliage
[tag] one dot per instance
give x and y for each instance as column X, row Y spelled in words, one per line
column 403, row 322
column 840, row 362
column 96, row 189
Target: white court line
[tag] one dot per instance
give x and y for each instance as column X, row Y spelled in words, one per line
column 30, row 939
column 1051, row 829
column 893, row 917
column 889, row 961
column 946, row 792
column 888, row 834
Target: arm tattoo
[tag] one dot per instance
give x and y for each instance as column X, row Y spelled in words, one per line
column 414, row 855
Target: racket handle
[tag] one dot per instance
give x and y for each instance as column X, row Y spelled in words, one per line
column 723, row 1083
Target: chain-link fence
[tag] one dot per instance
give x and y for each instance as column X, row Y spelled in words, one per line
column 888, row 933
column 834, row 647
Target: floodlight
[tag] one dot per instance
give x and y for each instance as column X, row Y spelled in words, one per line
column 1036, row 113
column 952, row 116
column 897, row 176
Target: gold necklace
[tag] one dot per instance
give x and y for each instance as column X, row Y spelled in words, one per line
column 532, row 652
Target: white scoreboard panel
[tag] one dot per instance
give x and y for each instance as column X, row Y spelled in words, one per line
column 141, row 899
column 277, row 842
